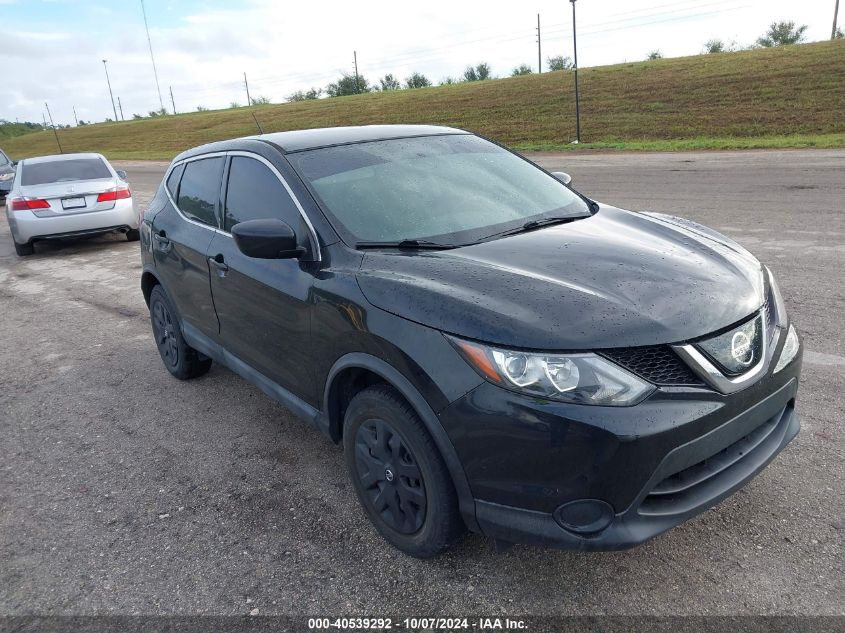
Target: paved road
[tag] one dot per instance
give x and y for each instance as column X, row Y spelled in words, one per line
column 126, row 491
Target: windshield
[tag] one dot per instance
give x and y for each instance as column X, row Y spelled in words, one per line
column 450, row 189
column 64, row 171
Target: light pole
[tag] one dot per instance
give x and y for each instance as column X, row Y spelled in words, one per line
column 577, row 96
column 108, row 81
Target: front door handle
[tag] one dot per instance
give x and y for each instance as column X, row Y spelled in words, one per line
column 219, row 263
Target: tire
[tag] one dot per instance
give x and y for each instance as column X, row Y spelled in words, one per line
column 399, row 475
column 181, row 360
column 24, row 249
column 133, row 235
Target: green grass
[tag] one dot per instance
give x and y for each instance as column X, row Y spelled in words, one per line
column 792, row 96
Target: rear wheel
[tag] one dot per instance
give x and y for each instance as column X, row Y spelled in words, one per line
column 133, row 235
column 398, row 474
column 181, row 360
column 24, row 249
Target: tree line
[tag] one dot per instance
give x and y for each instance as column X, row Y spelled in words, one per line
column 778, row 34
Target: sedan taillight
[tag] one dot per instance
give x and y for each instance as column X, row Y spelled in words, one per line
column 26, row 204
column 111, row 196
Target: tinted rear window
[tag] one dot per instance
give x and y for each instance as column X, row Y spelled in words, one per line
column 199, row 189
column 64, row 171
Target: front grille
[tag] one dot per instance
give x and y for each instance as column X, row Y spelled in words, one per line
column 657, row 364
column 683, row 491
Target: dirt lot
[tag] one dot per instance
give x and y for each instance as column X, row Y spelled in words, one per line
column 126, row 491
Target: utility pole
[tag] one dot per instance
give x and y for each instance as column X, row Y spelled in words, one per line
column 835, row 18
column 539, row 54
column 120, row 107
column 355, row 63
column 74, row 116
column 172, row 102
column 153, row 59
column 110, row 92
column 577, row 96
column 246, row 85
column 52, row 125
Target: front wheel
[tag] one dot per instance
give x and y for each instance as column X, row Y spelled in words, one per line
column 181, row 360
column 398, row 474
column 133, row 235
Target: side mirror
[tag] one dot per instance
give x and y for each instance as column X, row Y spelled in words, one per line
column 122, row 175
column 562, row 176
column 14, row 163
column 267, row 239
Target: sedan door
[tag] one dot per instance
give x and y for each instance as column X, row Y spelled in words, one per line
column 263, row 304
column 181, row 235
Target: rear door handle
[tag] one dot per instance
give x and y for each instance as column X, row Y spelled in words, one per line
column 219, row 263
column 161, row 242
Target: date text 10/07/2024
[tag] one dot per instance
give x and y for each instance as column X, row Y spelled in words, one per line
column 415, row 624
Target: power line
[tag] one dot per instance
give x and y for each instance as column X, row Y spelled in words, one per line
column 152, row 58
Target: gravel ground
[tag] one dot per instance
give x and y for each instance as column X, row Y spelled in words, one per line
column 125, row 491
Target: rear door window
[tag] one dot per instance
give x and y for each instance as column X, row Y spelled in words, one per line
column 68, row 170
column 199, row 190
column 256, row 193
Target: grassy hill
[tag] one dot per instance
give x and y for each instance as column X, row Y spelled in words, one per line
column 10, row 130
column 792, row 96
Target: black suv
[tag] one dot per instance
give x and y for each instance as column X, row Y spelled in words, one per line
column 494, row 350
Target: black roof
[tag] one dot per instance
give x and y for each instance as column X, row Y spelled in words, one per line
column 299, row 140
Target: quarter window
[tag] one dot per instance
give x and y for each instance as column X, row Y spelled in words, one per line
column 173, row 180
column 199, row 189
column 255, row 193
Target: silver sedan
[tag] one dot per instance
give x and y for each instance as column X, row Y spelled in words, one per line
column 66, row 196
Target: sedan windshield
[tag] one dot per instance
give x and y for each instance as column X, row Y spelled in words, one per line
column 64, row 171
column 449, row 189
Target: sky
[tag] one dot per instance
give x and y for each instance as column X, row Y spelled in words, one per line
column 52, row 50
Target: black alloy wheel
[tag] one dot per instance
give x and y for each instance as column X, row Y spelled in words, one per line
column 398, row 473
column 164, row 332
column 390, row 477
column 181, row 360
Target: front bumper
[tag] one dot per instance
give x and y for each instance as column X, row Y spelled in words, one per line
column 26, row 226
column 652, row 466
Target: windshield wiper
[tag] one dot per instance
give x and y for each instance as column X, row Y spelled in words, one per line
column 410, row 244
column 534, row 224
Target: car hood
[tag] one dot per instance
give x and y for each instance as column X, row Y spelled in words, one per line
column 615, row 279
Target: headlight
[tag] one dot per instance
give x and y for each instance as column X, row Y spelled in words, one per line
column 776, row 299
column 577, row 378
column 790, row 349
column 9, row 176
